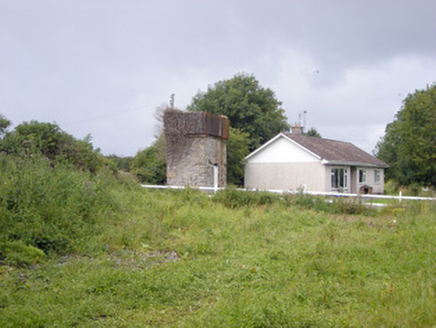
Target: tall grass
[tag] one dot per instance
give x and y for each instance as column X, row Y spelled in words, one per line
column 52, row 208
column 234, row 198
column 181, row 258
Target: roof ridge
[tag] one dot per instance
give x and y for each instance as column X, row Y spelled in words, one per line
column 335, row 150
column 289, row 134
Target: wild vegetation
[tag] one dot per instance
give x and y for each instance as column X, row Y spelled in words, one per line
column 149, row 164
column 49, row 140
column 95, row 249
column 83, row 245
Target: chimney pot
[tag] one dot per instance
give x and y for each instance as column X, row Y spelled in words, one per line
column 296, row 130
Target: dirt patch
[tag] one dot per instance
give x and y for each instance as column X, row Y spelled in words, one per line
column 142, row 261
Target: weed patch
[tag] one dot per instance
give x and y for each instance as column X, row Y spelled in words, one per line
column 95, row 250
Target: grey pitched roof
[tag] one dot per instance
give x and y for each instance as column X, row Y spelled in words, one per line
column 336, row 152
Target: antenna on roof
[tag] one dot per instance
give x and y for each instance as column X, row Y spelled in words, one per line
column 172, row 101
column 302, row 120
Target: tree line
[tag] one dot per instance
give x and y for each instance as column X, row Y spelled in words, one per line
column 408, row 146
column 409, row 143
column 256, row 116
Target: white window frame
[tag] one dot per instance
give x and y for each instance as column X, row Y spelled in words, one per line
column 377, row 176
column 362, row 176
column 339, row 178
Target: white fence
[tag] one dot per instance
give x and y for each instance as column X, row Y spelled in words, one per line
column 400, row 196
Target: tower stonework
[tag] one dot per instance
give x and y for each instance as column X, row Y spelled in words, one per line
column 196, row 148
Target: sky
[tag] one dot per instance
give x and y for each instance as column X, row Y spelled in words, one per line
column 103, row 67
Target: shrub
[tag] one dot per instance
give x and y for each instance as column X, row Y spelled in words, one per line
column 233, row 198
column 121, row 163
column 4, row 124
column 47, row 139
column 149, row 165
column 51, row 208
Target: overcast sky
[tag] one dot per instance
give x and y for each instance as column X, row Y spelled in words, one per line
column 103, row 67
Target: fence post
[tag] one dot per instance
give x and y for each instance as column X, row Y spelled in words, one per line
column 401, row 194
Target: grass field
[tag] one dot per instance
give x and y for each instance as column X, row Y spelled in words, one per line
column 136, row 257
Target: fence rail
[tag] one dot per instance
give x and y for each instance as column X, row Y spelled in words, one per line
column 400, row 196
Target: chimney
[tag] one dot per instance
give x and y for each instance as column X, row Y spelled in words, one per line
column 296, row 130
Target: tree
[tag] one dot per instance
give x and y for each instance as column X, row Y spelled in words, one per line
column 250, row 108
column 409, row 144
column 312, row 132
column 149, row 165
column 237, row 149
column 4, row 124
column 49, row 140
column 121, row 163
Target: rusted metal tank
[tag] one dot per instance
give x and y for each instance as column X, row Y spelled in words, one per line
column 196, row 123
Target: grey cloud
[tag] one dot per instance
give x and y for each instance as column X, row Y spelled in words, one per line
column 102, row 67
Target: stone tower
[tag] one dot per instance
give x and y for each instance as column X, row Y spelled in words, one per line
column 196, row 148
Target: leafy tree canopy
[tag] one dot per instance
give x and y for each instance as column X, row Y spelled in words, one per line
column 409, row 144
column 250, row 108
column 49, row 140
column 312, row 132
column 4, row 124
column 149, row 165
column 122, row 163
column 236, row 151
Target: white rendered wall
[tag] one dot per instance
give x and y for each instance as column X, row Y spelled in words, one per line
column 285, row 176
column 282, row 151
column 377, row 187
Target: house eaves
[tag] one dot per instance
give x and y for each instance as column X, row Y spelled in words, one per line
column 342, row 163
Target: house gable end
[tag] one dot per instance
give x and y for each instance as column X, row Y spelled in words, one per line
column 282, row 149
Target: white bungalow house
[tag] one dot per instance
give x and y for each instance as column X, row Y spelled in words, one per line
column 292, row 161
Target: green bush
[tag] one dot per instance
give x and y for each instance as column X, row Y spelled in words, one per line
column 121, row 163
column 355, row 207
column 181, row 258
column 4, row 124
column 82, row 249
column 149, row 165
column 233, row 198
column 51, row 208
column 32, row 138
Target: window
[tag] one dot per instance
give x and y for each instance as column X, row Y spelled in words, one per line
column 377, row 176
column 362, row 176
column 339, row 178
